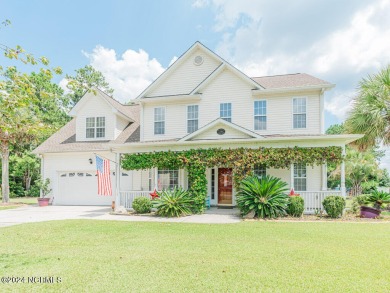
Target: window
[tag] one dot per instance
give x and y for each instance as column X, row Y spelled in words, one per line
column 260, row 115
column 167, row 179
column 260, row 170
column 159, row 120
column 95, row 127
column 299, row 113
column 225, row 111
column 192, row 118
column 300, row 177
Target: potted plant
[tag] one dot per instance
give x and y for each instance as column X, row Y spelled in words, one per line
column 43, row 185
column 377, row 199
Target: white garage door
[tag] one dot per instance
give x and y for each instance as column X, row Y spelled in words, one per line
column 80, row 188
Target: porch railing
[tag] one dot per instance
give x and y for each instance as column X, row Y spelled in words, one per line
column 313, row 199
column 127, row 197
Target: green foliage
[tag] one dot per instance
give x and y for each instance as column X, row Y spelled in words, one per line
column 336, row 129
column 296, row 206
column 334, row 205
column 378, row 199
column 241, row 160
column 85, row 79
column 142, row 205
column 370, row 114
column 357, row 202
column 173, row 203
column 44, row 186
column 266, row 196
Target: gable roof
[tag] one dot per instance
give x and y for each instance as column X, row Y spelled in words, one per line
column 182, row 58
column 290, row 81
column 222, row 122
column 120, row 109
column 64, row 140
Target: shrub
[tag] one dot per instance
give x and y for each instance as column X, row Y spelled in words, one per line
column 173, row 203
column 296, row 206
column 378, row 199
column 334, row 205
column 142, row 205
column 357, row 202
column 266, row 196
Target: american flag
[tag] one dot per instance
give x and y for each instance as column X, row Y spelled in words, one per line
column 103, row 175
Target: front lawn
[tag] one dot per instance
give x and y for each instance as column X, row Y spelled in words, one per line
column 110, row 256
column 16, row 202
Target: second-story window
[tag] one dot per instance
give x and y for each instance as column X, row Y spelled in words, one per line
column 95, row 127
column 192, row 118
column 159, row 120
column 225, row 111
column 299, row 113
column 260, row 115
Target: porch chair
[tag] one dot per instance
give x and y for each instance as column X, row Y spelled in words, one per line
column 208, row 203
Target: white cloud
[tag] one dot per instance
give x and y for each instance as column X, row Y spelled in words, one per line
column 260, row 38
column 340, row 104
column 200, row 3
column 129, row 74
column 173, row 60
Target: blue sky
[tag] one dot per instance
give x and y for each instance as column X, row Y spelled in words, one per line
column 132, row 42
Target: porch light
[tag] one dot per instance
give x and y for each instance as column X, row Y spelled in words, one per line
column 90, row 161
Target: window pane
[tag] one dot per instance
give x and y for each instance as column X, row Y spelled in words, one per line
column 299, row 121
column 100, row 121
column 260, row 122
column 167, row 179
column 90, row 133
column 260, row 108
column 225, row 111
column 159, row 114
column 192, row 112
column 300, row 177
column 260, row 170
column 192, row 125
column 159, row 127
column 90, row 122
column 299, row 105
column 100, row 132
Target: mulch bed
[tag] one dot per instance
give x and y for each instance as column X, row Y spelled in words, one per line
column 315, row 218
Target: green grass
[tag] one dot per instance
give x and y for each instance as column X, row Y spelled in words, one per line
column 18, row 201
column 106, row 256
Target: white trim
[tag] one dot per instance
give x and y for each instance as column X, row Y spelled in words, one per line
column 215, row 122
column 171, row 99
column 292, row 113
column 209, row 78
column 266, row 115
column 293, row 89
column 184, row 56
column 231, row 111
column 322, row 106
column 141, row 122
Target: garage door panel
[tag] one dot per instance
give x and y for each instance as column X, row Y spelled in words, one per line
column 80, row 188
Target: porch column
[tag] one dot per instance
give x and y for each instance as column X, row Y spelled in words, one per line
column 342, row 187
column 117, row 180
column 324, row 177
column 292, row 177
column 155, row 178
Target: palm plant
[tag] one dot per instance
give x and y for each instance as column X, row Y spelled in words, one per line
column 173, row 203
column 371, row 110
column 378, row 198
column 266, row 196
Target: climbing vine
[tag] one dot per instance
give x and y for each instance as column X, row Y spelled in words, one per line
column 241, row 160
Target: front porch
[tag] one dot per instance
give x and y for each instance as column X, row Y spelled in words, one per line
column 220, row 190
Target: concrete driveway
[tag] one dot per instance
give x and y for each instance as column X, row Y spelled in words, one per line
column 30, row 214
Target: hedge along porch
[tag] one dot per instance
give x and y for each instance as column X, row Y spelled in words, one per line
column 200, row 169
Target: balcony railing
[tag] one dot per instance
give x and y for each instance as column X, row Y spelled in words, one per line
column 127, row 197
column 313, row 199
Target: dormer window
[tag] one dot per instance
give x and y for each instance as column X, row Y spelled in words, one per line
column 95, row 127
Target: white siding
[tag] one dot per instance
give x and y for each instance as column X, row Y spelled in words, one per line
column 314, row 182
column 229, row 88
column 230, row 132
column 94, row 106
column 187, row 77
column 283, row 174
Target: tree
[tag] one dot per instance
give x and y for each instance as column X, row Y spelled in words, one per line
column 86, row 78
column 19, row 122
column 371, row 110
column 336, row 129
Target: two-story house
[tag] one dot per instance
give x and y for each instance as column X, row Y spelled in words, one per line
column 201, row 101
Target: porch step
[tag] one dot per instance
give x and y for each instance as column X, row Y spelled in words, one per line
column 225, row 206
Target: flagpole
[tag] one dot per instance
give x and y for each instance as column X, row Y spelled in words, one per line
column 117, row 181
column 105, row 158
